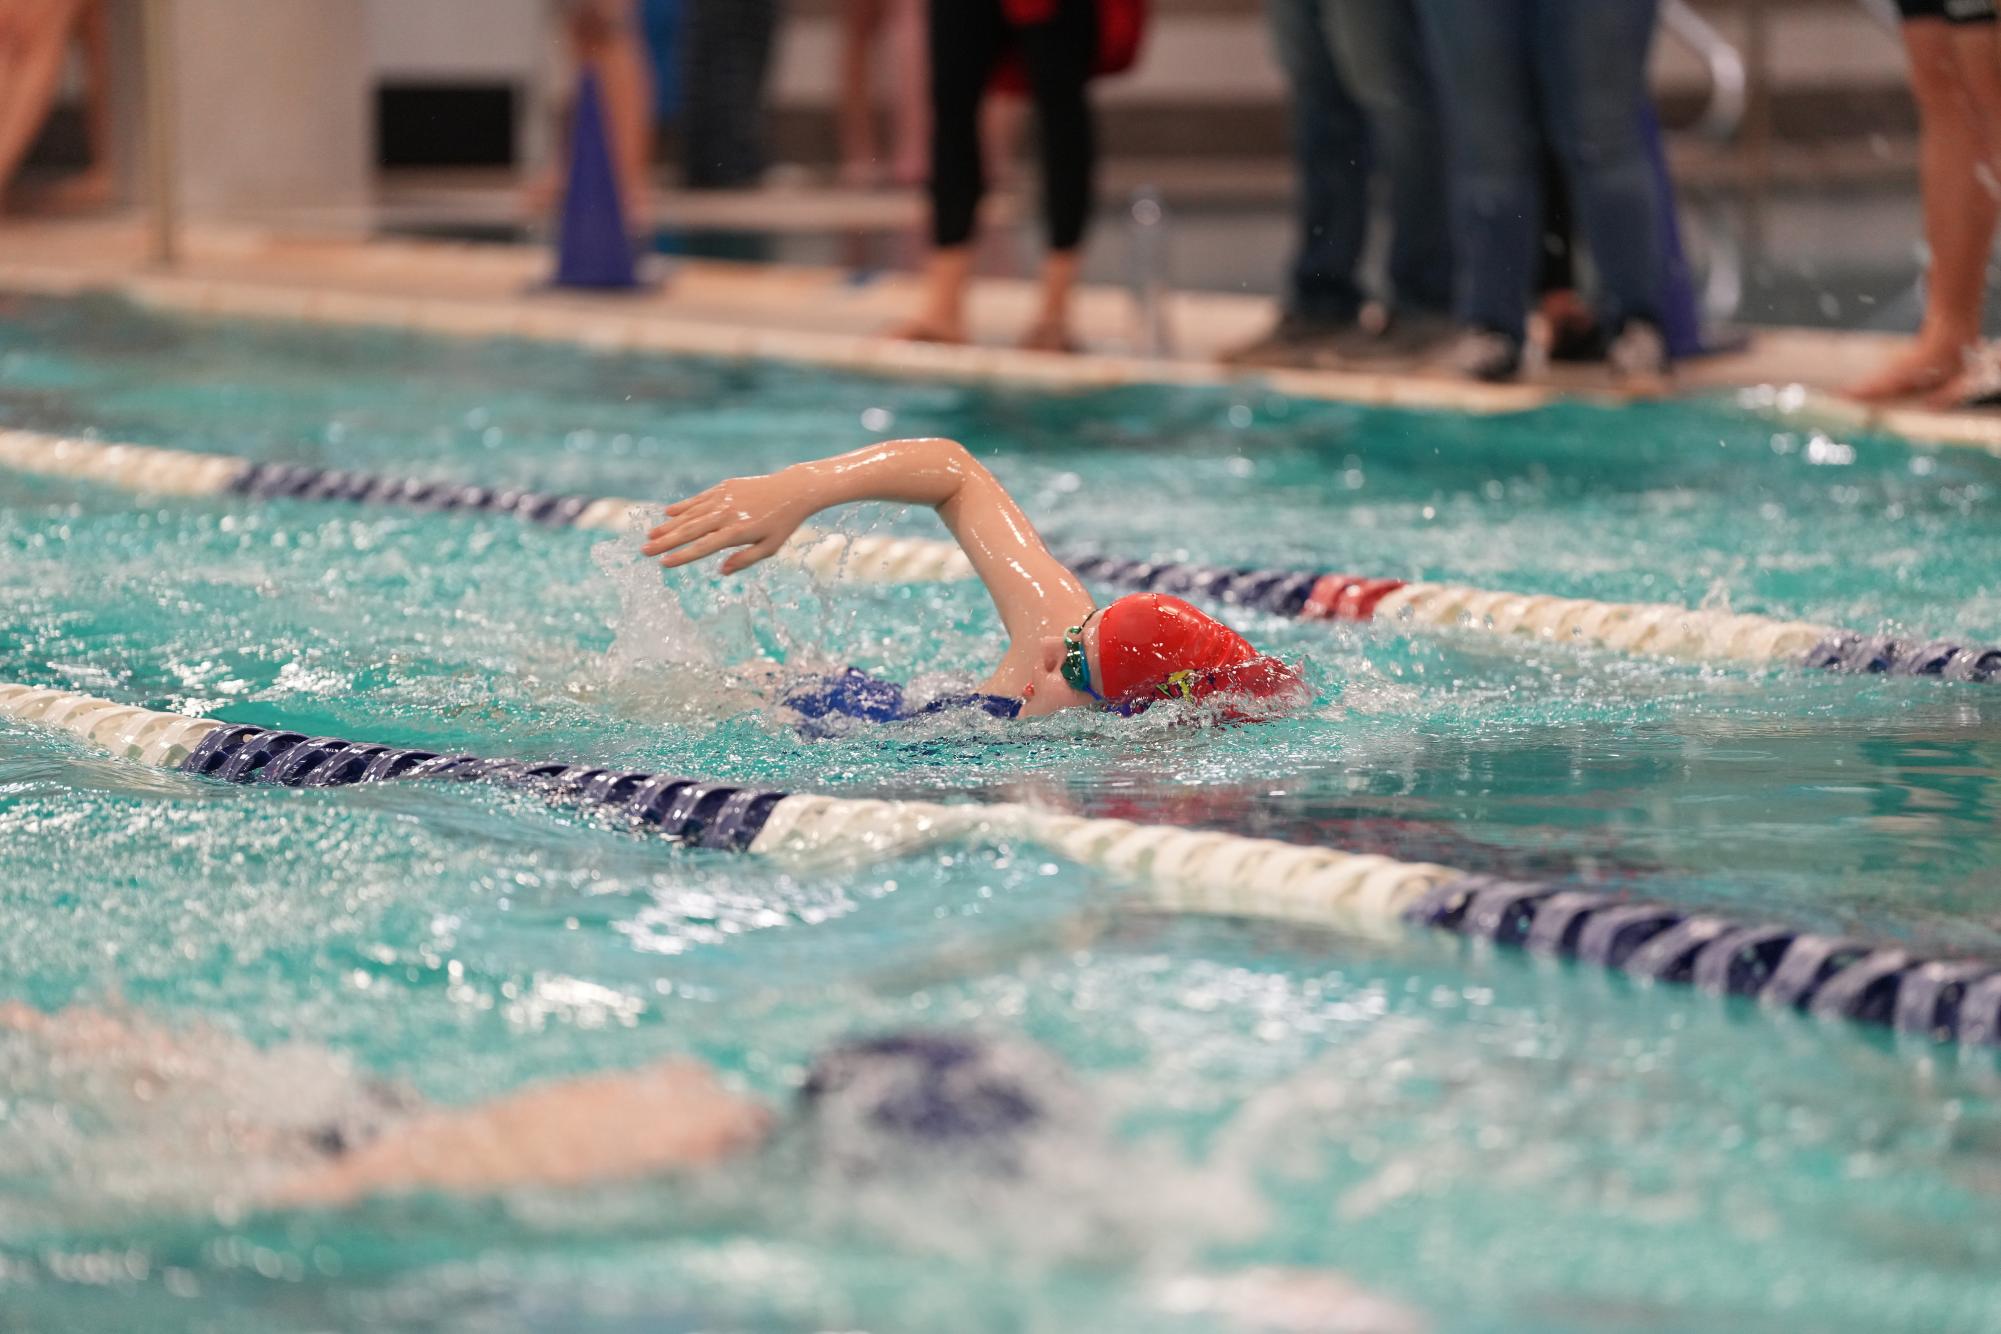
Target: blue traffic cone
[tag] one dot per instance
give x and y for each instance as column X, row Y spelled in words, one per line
column 592, row 246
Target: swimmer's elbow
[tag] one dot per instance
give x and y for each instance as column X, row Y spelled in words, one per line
column 951, row 456
column 954, row 466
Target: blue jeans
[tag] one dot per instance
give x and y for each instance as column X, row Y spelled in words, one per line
column 1517, row 74
column 1361, row 95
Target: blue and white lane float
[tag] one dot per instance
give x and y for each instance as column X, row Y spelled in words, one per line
column 1653, row 629
column 1192, row 871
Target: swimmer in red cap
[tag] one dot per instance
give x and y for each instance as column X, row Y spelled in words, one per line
column 1064, row 652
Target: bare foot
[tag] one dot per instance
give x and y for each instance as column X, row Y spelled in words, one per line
column 89, row 191
column 1049, row 336
column 930, row 331
column 1923, row 369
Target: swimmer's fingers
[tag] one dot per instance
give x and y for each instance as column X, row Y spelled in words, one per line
column 751, row 555
column 685, row 529
column 678, row 513
column 684, row 505
column 709, row 498
column 707, row 546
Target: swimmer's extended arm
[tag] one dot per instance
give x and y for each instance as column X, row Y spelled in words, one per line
column 1036, row 594
column 601, row 1128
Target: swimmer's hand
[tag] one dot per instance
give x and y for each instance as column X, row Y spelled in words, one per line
column 1036, row 594
column 756, row 514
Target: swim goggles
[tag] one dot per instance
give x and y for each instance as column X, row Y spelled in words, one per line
column 1077, row 668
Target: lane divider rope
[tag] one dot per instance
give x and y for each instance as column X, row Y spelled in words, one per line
column 1191, row 871
column 1655, row 629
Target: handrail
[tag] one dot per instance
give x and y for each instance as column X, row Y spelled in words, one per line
column 1729, row 90
column 162, row 94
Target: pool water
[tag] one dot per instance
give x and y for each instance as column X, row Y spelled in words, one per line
column 1497, row 1142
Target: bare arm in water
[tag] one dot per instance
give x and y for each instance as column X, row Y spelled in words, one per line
column 573, row 1132
column 668, row 1117
column 1036, row 594
column 614, row 1126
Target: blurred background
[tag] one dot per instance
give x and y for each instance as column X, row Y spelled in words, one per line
column 1791, row 131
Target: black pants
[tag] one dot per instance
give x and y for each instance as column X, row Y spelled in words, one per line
column 1558, row 270
column 968, row 38
column 728, row 53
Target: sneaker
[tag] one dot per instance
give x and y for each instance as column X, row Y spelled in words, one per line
column 1294, row 343
column 1398, row 336
column 1483, row 354
column 1638, row 357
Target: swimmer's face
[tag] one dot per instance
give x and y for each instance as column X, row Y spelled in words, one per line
column 1051, row 692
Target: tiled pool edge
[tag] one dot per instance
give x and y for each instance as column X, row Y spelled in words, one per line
column 601, row 325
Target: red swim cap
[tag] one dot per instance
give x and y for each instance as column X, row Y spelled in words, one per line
column 1153, row 646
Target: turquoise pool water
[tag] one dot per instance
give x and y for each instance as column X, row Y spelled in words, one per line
column 1499, row 1143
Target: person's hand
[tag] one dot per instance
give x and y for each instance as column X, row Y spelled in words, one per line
column 755, row 513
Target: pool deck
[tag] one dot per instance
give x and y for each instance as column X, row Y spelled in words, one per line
column 831, row 316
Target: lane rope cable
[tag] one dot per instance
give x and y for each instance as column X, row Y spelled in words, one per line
column 1189, row 871
column 1655, row 629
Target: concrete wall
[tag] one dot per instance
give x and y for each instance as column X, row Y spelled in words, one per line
column 272, row 104
column 473, row 41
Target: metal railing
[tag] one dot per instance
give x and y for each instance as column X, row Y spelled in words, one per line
column 1729, row 84
column 162, row 161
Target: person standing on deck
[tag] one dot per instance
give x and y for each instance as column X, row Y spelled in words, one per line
column 899, row 24
column 603, row 37
column 1058, row 45
column 1519, row 75
column 1955, row 53
column 35, row 40
column 729, row 44
column 1362, row 98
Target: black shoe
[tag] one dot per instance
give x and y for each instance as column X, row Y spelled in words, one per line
column 1294, row 343
column 1399, row 336
column 1578, row 340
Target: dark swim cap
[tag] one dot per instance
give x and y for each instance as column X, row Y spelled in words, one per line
column 944, row 1091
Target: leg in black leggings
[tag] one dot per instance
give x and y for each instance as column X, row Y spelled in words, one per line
column 967, row 38
column 1059, row 55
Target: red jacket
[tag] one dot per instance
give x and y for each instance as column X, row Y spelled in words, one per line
column 1121, row 28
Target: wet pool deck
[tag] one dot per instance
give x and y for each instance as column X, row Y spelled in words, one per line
column 830, row 317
